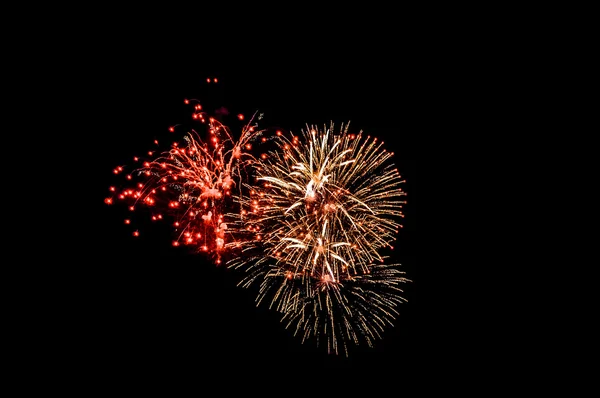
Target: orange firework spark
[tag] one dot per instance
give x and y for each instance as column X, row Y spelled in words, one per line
column 193, row 183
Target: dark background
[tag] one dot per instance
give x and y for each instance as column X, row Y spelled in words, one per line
column 116, row 307
column 147, row 306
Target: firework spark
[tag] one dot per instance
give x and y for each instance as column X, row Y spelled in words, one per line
column 311, row 231
column 193, row 183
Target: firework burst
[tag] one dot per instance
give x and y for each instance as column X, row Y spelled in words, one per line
column 307, row 221
column 311, row 230
column 193, row 183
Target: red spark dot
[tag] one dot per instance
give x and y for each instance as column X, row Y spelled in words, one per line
column 240, row 116
column 279, row 133
column 175, row 243
column 186, row 101
column 156, row 142
column 108, row 201
column 215, row 80
column 127, row 221
column 171, row 129
column 136, row 233
column 112, row 189
column 208, row 80
column 131, row 208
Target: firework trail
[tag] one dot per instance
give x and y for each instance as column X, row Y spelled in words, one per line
column 193, row 183
column 311, row 229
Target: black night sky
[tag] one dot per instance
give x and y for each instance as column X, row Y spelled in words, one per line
column 152, row 305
